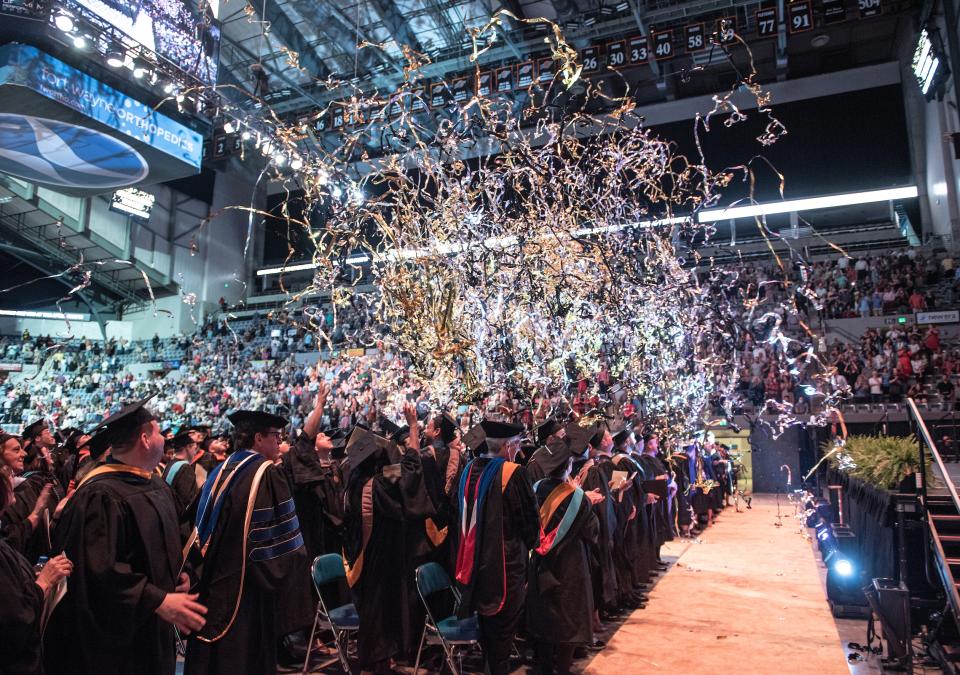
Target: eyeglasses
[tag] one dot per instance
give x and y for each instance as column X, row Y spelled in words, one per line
column 278, row 434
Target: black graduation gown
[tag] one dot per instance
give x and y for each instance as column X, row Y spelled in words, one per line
column 31, row 542
column 628, row 504
column 559, row 598
column 120, row 531
column 604, row 573
column 380, row 591
column 653, row 467
column 680, row 464
column 644, row 529
column 20, row 613
column 185, row 494
column 318, row 494
column 254, row 594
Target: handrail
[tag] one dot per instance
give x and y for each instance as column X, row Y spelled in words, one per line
column 928, row 440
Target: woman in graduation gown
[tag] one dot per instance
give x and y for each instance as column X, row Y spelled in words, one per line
column 23, row 601
column 380, row 496
column 559, row 610
column 22, row 522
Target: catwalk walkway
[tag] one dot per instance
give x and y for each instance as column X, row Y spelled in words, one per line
column 746, row 599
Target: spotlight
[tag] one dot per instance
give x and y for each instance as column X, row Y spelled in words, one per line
column 266, row 148
column 139, row 69
column 843, row 567
column 228, row 127
column 80, row 42
column 115, row 58
column 169, row 87
column 245, row 135
column 296, row 164
column 335, row 192
column 323, row 177
column 64, row 22
column 279, row 159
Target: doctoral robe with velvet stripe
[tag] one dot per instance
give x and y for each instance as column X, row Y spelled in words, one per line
column 559, row 595
column 507, row 527
column 120, row 530
column 255, row 583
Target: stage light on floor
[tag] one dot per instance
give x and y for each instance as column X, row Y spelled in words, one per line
column 843, row 567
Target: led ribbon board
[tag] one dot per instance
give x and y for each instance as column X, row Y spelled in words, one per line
column 66, row 130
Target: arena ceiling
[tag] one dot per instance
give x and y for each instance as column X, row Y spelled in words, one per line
column 322, row 37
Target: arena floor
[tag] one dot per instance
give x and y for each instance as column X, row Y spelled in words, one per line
column 746, row 597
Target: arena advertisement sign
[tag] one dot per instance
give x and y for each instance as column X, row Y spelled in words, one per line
column 943, row 316
column 68, row 131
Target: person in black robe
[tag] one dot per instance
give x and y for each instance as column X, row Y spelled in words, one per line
column 629, row 538
column 317, row 482
column 23, row 522
column 25, row 594
column 589, row 475
column 543, row 434
column 654, row 469
column 382, row 493
column 499, row 525
column 185, row 478
column 254, row 576
column 681, row 464
column 127, row 591
column 559, row 611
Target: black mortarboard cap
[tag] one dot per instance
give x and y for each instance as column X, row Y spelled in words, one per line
column 99, row 443
column 256, row 420
column 578, row 436
column 394, row 431
column 126, row 420
column 33, row 429
column 181, row 440
column 552, row 456
column 474, row 438
column 495, row 429
column 448, row 428
column 621, row 436
column 546, row 429
column 363, row 445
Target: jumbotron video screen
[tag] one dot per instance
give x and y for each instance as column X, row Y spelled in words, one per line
column 177, row 30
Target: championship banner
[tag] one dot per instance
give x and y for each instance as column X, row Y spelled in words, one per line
column 66, row 130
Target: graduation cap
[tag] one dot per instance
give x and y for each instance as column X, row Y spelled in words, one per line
column 99, row 443
column 500, row 430
column 394, row 431
column 33, row 429
column 546, row 429
column 121, row 425
column 448, row 428
column 577, row 436
column 181, row 440
column 363, row 445
column 256, row 420
column 553, row 456
column 622, row 436
column 64, row 436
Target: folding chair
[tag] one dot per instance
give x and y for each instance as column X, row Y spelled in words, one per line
column 451, row 633
column 342, row 620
